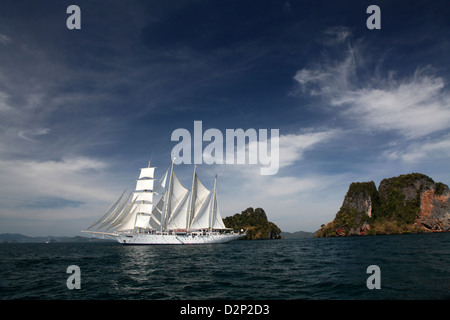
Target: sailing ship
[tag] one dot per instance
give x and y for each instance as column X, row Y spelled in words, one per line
column 163, row 211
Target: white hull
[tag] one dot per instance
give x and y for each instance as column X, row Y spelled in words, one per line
column 151, row 239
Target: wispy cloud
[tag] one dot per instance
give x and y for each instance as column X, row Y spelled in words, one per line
column 413, row 106
column 66, row 182
column 293, row 146
column 418, row 151
column 30, row 134
column 288, row 186
column 4, row 39
column 287, row 199
column 3, row 102
column 335, row 35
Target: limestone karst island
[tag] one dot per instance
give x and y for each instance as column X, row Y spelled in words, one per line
column 255, row 222
column 411, row 203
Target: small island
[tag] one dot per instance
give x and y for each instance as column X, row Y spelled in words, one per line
column 411, row 203
column 255, row 220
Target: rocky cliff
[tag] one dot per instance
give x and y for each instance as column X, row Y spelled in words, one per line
column 256, row 222
column 405, row 204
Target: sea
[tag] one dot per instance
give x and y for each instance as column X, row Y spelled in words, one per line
column 388, row 267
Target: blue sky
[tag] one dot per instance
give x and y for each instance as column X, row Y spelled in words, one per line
column 82, row 110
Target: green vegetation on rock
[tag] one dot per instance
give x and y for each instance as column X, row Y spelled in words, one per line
column 394, row 208
column 256, row 222
column 400, row 197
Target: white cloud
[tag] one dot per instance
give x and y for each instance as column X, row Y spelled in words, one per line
column 4, row 39
column 29, row 134
column 75, row 180
column 420, row 151
column 336, row 35
column 289, row 201
column 293, row 146
column 3, row 102
column 327, row 80
column 283, row 196
column 413, row 107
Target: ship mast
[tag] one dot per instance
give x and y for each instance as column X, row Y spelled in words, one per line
column 213, row 209
column 167, row 202
column 191, row 203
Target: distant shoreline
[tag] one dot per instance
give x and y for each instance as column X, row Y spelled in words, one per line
column 20, row 238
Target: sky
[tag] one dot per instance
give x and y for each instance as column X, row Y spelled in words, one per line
column 82, row 110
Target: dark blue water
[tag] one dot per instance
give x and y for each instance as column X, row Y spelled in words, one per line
column 412, row 267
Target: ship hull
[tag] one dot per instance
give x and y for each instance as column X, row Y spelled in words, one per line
column 175, row 239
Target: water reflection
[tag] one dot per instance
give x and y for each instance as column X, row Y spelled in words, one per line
column 169, row 272
column 285, row 269
column 138, row 262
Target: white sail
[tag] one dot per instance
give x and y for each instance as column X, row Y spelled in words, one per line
column 147, row 173
column 157, row 211
column 142, row 221
column 217, row 221
column 154, row 223
column 199, row 197
column 201, row 221
column 163, row 180
column 122, row 216
column 144, row 207
column 117, row 211
column 158, row 207
column 176, row 193
column 140, row 212
column 159, row 188
column 145, row 184
column 129, row 222
column 208, row 215
column 178, row 217
column 155, row 220
column 143, row 196
column 107, row 212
